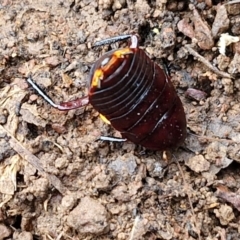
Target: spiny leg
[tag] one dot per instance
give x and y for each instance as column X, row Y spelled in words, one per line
column 64, row 106
column 107, row 41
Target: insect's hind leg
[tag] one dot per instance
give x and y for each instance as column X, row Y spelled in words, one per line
column 64, row 106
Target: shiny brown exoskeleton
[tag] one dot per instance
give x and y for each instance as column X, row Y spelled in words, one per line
column 135, row 96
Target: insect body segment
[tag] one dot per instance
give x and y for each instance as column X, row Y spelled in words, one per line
column 107, row 65
column 135, row 96
column 138, row 99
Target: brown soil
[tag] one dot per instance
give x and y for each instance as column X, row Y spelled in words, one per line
column 58, row 182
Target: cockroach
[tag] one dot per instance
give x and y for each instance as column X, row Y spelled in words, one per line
column 134, row 95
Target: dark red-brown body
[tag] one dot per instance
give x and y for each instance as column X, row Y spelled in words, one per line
column 139, row 100
column 134, row 95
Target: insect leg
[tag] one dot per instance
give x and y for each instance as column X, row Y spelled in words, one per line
column 108, row 41
column 133, row 42
column 112, row 139
column 64, row 106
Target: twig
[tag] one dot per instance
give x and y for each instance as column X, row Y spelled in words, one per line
column 189, row 198
column 232, row 2
column 136, row 221
column 206, row 62
column 214, row 139
column 34, row 161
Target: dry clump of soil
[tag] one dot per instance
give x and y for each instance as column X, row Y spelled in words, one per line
column 59, row 182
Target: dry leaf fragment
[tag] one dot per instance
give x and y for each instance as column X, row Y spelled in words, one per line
column 234, row 66
column 231, row 197
column 186, row 28
column 8, row 182
column 232, row 2
column 221, row 21
column 236, row 47
column 225, row 40
column 202, row 32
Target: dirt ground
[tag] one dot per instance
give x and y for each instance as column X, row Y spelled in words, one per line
column 58, row 181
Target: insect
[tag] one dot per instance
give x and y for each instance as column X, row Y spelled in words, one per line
column 134, row 95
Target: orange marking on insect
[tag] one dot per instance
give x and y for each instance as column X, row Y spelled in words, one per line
column 98, row 76
column 114, row 59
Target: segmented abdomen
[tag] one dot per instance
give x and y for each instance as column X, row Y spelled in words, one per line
column 139, row 100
